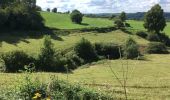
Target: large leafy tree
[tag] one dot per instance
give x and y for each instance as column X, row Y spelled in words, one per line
column 76, row 16
column 4, row 3
column 154, row 19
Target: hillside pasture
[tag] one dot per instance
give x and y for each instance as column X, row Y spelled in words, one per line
column 63, row 21
column 147, row 80
column 138, row 25
column 33, row 45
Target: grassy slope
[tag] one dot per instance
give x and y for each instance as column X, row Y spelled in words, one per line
column 147, row 80
column 138, row 25
column 62, row 21
column 33, row 46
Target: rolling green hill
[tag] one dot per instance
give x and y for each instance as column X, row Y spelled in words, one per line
column 62, row 21
column 138, row 25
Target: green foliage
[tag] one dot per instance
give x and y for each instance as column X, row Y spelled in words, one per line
column 156, row 48
column 38, row 8
column 48, row 9
column 54, row 10
column 110, row 50
column 123, row 16
column 3, row 17
column 16, row 60
column 73, row 61
column 164, row 39
column 20, row 16
column 153, row 37
column 48, row 59
column 112, row 17
column 154, row 20
column 127, row 25
column 141, row 34
column 131, row 49
column 119, row 23
column 85, row 50
column 76, row 16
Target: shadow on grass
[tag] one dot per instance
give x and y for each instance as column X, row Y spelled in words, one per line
column 84, row 24
column 16, row 36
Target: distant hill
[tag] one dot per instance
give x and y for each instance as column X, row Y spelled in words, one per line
column 135, row 16
column 63, row 21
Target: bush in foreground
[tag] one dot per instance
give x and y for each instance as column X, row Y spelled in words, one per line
column 29, row 89
column 156, row 48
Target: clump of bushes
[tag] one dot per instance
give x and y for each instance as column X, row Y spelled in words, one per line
column 73, row 61
column 16, row 60
column 48, row 59
column 164, row 39
column 131, row 49
column 141, row 34
column 76, row 16
column 156, row 48
column 20, row 16
column 109, row 50
column 85, row 50
column 153, row 37
column 119, row 23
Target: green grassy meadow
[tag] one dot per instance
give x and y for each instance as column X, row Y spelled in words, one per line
column 148, row 79
column 62, row 21
column 32, row 46
column 138, row 25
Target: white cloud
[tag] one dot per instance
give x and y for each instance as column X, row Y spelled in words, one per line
column 104, row 6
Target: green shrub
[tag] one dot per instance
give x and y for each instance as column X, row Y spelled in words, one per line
column 108, row 50
column 47, row 55
column 118, row 23
column 16, row 60
column 153, row 37
column 141, row 34
column 127, row 25
column 3, row 17
column 76, row 16
column 76, row 92
column 156, row 48
column 164, row 39
column 73, row 61
column 20, row 16
column 131, row 49
column 85, row 50
column 48, row 60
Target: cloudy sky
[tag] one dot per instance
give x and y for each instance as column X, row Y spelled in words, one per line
column 104, row 6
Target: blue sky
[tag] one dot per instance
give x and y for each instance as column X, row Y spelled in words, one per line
column 104, row 6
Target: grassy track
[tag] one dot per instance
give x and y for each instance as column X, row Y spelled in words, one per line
column 147, row 80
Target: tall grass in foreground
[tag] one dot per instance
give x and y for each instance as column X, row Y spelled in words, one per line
column 28, row 88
